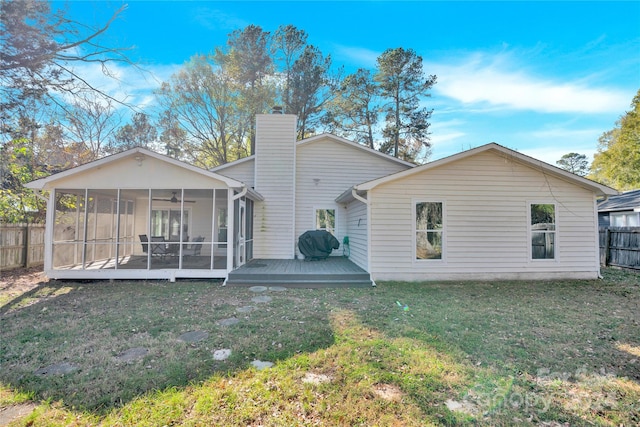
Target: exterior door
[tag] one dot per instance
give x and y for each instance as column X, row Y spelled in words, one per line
column 241, row 240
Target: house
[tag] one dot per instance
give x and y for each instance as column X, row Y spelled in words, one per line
column 486, row 213
column 620, row 211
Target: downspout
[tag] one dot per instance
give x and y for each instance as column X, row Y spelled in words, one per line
column 606, row 197
column 358, row 197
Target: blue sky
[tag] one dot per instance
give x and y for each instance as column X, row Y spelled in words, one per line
column 544, row 78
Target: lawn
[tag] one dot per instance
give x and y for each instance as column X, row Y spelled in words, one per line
column 446, row 353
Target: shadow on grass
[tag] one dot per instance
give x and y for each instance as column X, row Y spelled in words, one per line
column 86, row 326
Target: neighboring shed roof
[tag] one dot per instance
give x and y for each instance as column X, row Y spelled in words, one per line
column 597, row 188
column 627, row 201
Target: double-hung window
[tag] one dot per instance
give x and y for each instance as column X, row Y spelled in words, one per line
column 543, row 230
column 429, row 229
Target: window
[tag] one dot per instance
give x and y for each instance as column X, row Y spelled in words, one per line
column 326, row 220
column 543, row 231
column 626, row 219
column 429, row 229
column 166, row 223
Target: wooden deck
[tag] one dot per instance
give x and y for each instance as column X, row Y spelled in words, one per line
column 333, row 272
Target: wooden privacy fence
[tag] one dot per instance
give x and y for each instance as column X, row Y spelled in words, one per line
column 21, row 245
column 620, row 246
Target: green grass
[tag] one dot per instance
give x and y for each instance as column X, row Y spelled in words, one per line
column 482, row 353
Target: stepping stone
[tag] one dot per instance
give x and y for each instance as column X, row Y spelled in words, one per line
column 245, row 309
column 311, row 378
column 258, row 289
column 277, row 289
column 261, row 299
column 260, row 365
column 193, row 336
column 132, row 354
column 221, row 354
column 228, row 322
column 57, row 369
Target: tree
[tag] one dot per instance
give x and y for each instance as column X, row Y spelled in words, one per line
column 249, row 61
column 203, row 99
column 353, row 112
column 91, row 122
column 574, row 163
column 289, row 43
column 140, row 133
column 403, row 83
column 38, row 49
column 617, row 162
column 171, row 134
column 310, row 88
column 18, row 204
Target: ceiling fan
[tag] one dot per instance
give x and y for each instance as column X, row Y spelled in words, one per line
column 174, row 199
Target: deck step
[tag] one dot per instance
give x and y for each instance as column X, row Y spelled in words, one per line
column 336, row 272
column 314, row 284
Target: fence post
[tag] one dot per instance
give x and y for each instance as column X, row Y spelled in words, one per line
column 25, row 249
column 607, row 243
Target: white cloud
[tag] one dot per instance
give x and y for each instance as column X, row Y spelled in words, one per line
column 359, row 56
column 215, row 19
column 129, row 84
column 481, row 79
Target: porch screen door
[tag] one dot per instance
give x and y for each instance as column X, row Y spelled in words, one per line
column 241, row 226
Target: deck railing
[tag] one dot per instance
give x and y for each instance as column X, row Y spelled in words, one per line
column 21, row 245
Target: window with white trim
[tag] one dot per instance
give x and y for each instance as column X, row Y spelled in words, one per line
column 326, row 220
column 543, row 230
column 429, row 230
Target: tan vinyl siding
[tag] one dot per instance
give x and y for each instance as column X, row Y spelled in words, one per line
column 486, row 231
column 243, row 171
column 324, row 170
column 125, row 173
column 275, row 178
column 357, row 232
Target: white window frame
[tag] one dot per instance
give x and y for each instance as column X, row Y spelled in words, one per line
column 169, row 208
column 414, row 230
column 335, row 218
column 530, row 232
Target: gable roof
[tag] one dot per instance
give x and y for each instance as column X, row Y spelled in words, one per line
column 338, row 139
column 320, row 138
column 40, row 184
column 506, row 152
column 627, row 201
column 233, row 163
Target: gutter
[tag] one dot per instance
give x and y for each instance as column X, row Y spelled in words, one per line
column 240, row 194
column 356, row 196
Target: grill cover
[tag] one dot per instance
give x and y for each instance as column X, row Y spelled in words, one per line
column 317, row 244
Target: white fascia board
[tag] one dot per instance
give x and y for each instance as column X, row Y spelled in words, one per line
column 524, row 159
column 41, row 183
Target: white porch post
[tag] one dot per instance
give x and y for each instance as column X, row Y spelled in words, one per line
column 48, row 234
column 230, row 230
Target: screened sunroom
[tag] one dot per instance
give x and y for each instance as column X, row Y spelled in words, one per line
column 99, row 225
